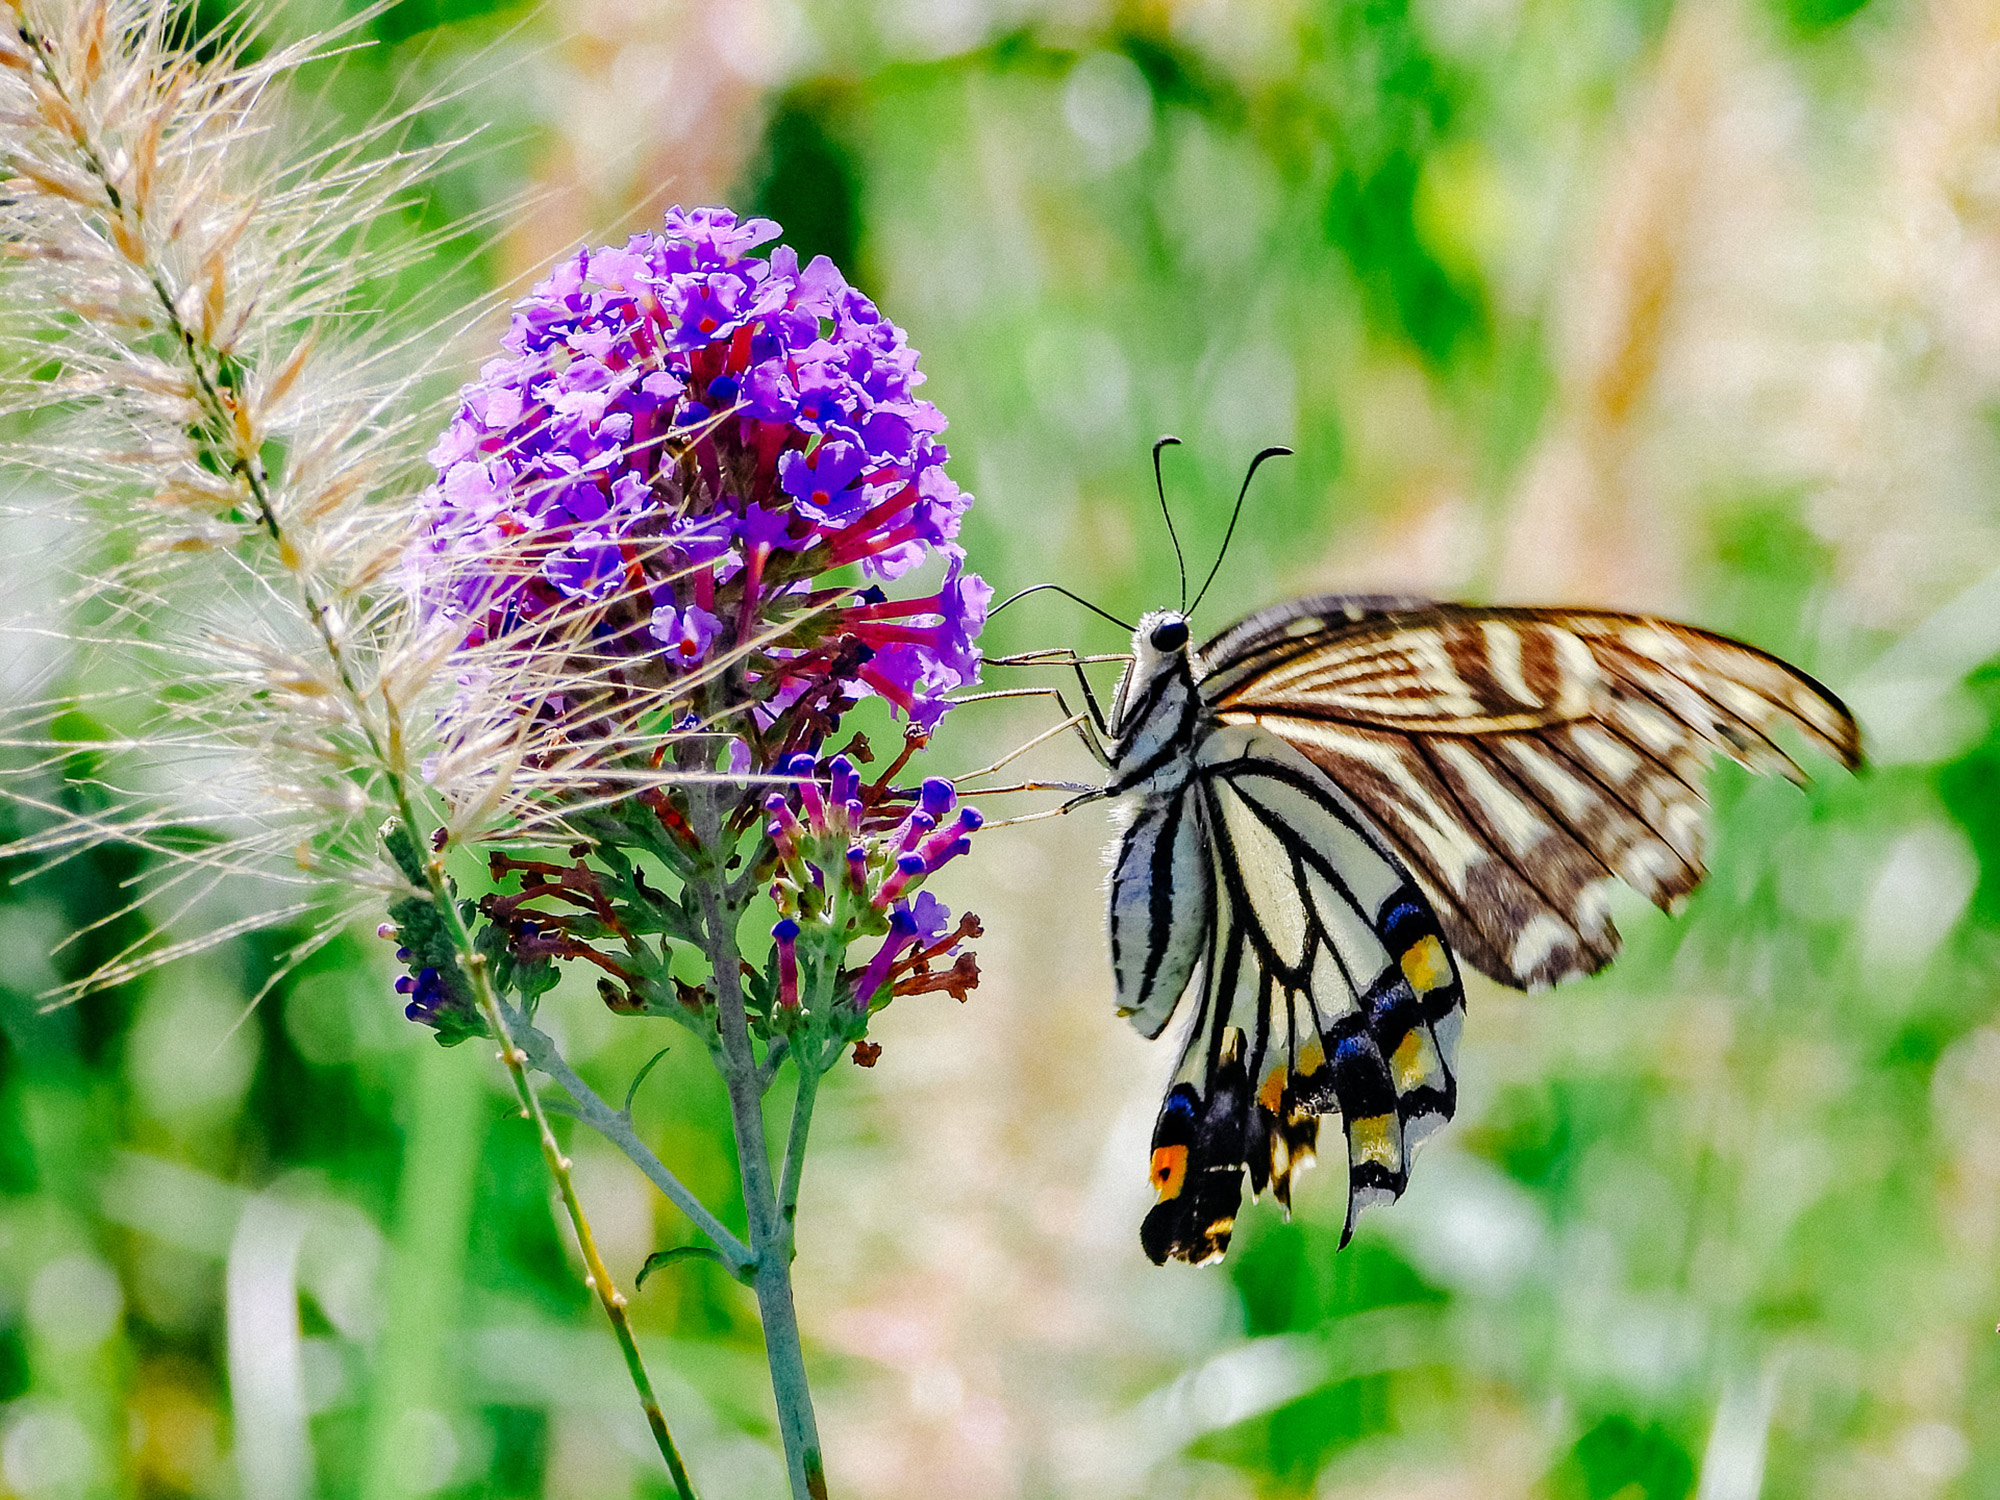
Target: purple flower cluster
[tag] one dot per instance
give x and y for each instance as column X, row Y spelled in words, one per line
column 680, row 441
column 849, row 871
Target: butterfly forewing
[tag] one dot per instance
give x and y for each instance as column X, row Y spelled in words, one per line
column 1520, row 760
column 1160, row 909
column 1326, row 988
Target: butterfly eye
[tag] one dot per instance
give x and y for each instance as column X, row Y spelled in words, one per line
column 1170, row 635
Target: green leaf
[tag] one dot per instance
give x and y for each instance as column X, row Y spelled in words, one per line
column 659, row 1260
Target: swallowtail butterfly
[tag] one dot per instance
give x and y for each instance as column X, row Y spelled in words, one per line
column 1339, row 799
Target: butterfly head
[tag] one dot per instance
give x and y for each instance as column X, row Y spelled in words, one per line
column 1161, row 637
column 1160, row 666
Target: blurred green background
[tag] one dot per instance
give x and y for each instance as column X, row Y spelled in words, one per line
column 1691, row 307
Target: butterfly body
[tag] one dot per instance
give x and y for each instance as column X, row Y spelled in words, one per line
column 1337, row 799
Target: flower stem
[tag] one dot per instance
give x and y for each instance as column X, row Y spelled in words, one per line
column 616, row 1127
column 810, row 1071
column 771, row 1238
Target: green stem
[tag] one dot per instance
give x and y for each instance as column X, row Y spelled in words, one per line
column 616, row 1127
column 770, row 1230
column 810, row 1072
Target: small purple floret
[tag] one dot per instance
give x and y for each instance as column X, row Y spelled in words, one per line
column 902, row 933
column 908, row 867
column 786, row 934
column 932, row 916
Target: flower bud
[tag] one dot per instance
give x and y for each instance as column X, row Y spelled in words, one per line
column 908, row 867
column 787, row 934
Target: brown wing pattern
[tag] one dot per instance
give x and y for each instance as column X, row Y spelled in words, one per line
column 1520, row 759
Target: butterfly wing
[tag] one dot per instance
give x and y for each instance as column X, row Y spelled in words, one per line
column 1326, row 987
column 1520, row 759
column 1161, row 908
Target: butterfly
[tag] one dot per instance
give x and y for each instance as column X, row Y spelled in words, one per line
column 1338, row 801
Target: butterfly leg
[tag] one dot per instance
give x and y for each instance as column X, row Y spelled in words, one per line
column 1089, row 727
column 1062, row 656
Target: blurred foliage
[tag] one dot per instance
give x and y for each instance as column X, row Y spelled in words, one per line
column 1724, row 1220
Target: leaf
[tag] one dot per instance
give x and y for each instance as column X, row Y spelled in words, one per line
column 637, row 1079
column 659, row 1260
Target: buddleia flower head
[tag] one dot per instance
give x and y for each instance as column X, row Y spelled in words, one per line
column 682, row 487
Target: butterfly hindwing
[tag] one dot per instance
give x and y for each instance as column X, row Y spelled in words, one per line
column 1326, row 988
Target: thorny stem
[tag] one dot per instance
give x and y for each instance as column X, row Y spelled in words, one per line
column 226, row 417
column 770, row 1230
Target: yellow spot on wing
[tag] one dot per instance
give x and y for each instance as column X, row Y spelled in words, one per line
column 1374, row 1139
column 1425, row 965
column 1169, row 1171
column 1311, row 1053
column 1415, row 1062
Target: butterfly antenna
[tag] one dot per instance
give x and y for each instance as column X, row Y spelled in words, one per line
column 1234, row 516
column 1056, row 588
column 1160, row 489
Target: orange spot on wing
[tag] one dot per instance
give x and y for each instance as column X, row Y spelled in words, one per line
column 1273, row 1089
column 1169, row 1171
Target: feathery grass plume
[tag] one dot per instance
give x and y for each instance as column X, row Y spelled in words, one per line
column 192, row 364
column 200, row 383
column 184, row 376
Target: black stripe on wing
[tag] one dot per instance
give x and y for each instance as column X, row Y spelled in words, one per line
column 1346, row 1001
